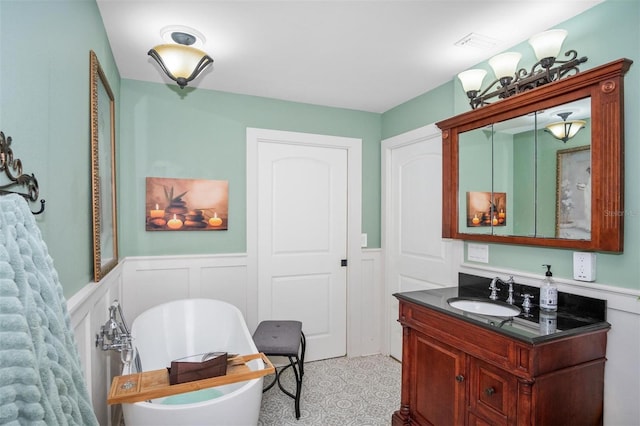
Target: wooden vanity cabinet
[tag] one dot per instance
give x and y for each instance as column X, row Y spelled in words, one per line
column 458, row 373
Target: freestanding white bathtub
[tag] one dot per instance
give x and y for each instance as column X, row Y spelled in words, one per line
column 187, row 327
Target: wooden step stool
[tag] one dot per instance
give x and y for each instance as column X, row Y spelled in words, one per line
column 283, row 338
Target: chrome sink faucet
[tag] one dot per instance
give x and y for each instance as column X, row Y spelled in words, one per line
column 494, row 289
column 510, row 283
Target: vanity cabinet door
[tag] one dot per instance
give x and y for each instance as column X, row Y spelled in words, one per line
column 492, row 395
column 439, row 382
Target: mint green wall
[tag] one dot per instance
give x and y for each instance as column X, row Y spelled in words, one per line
column 475, row 160
column 604, row 33
column 44, row 107
column 503, row 175
column 168, row 132
column 427, row 108
column 523, row 209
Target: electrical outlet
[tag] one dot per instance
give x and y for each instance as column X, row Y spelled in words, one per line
column 584, row 266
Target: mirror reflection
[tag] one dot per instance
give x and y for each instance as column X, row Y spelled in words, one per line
column 529, row 175
column 476, row 181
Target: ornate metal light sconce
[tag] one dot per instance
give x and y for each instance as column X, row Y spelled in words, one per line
column 510, row 82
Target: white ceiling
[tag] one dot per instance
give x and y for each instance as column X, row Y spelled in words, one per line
column 368, row 55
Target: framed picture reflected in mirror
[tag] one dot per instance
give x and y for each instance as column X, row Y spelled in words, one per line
column 486, row 208
column 573, row 193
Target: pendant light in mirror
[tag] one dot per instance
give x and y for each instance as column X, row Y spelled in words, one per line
column 565, row 129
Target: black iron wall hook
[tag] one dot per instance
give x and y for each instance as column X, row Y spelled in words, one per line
column 12, row 167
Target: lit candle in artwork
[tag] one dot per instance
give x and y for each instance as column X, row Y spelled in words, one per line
column 156, row 212
column 215, row 220
column 495, row 220
column 475, row 220
column 174, row 223
column 501, row 215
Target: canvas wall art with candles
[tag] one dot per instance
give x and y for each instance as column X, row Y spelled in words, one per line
column 174, row 204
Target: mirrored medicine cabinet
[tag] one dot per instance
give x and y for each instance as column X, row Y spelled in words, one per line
column 507, row 178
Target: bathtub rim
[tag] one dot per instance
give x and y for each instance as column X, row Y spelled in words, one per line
column 248, row 384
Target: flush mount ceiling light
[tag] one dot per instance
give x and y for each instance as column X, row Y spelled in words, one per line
column 511, row 81
column 180, row 60
column 565, row 129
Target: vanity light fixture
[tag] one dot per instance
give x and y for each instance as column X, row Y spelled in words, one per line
column 180, row 60
column 510, row 80
column 565, row 129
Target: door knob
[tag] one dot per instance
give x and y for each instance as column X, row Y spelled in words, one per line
column 459, row 378
column 489, row 391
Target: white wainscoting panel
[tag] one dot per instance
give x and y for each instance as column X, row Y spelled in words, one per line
column 140, row 283
column 372, row 306
column 89, row 309
column 228, row 284
column 151, row 281
column 621, row 371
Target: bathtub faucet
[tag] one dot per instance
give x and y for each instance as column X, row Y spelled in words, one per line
column 114, row 335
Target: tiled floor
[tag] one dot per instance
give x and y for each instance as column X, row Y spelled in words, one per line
column 362, row 391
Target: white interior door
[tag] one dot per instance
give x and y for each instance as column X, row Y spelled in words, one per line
column 302, row 236
column 416, row 256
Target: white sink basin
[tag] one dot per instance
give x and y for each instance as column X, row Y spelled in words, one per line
column 484, row 307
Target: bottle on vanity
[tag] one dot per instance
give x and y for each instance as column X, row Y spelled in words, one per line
column 548, row 292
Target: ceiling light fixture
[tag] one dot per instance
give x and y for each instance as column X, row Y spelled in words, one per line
column 565, row 129
column 180, row 60
column 511, row 81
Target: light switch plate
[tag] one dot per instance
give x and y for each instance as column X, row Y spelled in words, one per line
column 478, row 252
column 584, row 266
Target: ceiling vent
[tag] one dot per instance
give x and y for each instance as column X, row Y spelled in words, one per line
column 477, row 41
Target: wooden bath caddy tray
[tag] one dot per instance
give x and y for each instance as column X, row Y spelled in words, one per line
column 155, row 384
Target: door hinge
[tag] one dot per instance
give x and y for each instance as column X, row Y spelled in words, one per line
column 343, row 262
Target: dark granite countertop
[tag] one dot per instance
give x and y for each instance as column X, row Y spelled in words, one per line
column 576, row 314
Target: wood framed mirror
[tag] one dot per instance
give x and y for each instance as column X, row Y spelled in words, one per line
column 103, row 171
column 508, row 179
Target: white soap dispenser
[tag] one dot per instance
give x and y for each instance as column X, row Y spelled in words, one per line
column 548, row 292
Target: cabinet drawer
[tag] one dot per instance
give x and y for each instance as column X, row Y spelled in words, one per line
column 493, row 392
